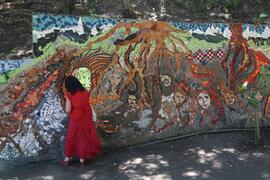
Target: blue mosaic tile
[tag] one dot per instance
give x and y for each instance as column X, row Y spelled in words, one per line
column 203, row 26
column 9, row 65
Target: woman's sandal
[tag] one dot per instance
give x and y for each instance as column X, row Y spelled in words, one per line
column 65, row 163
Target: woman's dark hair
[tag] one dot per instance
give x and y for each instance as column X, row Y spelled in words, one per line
column 72, row 85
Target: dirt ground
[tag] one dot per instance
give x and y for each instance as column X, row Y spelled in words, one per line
column 231, row 155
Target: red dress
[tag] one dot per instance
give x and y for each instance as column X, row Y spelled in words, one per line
column 81, row 140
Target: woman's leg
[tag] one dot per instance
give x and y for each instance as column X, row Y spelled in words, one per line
column 66, row 161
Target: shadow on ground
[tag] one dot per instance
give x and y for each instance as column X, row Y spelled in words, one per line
column 215, row 156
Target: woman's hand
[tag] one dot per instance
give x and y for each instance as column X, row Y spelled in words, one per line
column 66, row 96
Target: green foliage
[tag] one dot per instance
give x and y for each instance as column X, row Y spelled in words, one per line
column 263, row 15
column 204, row 5
column 241, row 88
column 253, row 102
column 201, row 5
column 233, row 4
column 261, row 18
column 2, row 79
column 68, row 6
column 257, row 128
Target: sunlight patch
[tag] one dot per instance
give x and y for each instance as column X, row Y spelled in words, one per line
column 46, row 177
column 87, row 175
column 230, row 150
column 191, row 174
column 257, row 154
column 84, row 76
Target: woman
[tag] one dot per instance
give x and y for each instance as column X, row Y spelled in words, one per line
column 81, row 140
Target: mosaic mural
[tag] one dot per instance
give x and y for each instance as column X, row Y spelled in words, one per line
column 8, row 66
column 148, row 80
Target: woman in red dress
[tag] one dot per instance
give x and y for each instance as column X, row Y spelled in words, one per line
column 81, row 139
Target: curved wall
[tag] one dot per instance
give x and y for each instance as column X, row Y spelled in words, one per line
column 148, row 80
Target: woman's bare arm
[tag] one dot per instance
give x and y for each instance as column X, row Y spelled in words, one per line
column 68, row 105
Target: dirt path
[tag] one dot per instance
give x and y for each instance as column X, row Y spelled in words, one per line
column 214, row 156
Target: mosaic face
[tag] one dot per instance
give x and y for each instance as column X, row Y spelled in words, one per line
column 166, row 80
column 167, row 107
column 259, row 96
column 132, row 101
column 229, row 98
column 179, row 98
column 204, row 100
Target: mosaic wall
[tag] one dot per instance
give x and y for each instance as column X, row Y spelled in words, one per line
column 148, row 80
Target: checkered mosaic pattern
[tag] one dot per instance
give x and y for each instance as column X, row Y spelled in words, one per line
column 209, row 54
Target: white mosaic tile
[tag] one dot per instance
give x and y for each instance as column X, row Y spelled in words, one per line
column 51, row 116
column 9, row 152
column 28, row 142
